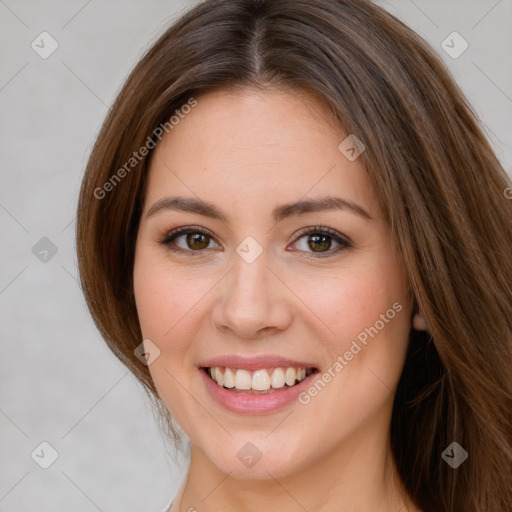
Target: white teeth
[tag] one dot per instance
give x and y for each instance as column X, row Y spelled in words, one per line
column 229, row 378
column 290, row 376
column 218, row 376
column 277, row 380
column 243, row 379
column 258, row 380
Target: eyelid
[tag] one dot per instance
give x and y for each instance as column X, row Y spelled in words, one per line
column 339, row 237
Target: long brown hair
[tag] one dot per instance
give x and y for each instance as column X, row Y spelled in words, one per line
column 438, row 182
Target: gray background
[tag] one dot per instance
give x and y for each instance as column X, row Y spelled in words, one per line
column 59, row 382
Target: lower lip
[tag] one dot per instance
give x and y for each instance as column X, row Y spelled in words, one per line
column 243, row 403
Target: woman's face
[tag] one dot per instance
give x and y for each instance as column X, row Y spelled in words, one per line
column 255, row 285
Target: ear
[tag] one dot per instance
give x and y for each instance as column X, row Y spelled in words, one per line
column 418, row 322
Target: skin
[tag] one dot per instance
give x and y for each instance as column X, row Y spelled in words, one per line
column 247, row 151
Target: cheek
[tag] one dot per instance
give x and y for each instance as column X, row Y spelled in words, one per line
column 161, row 296
column 348, row 304
column 154, row 299
column 165, row 309
column 368, row 314
column 369, row 319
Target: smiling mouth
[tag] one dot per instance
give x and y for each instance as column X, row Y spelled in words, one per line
column 258, row 382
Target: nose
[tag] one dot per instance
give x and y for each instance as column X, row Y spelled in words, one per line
column 252, row 301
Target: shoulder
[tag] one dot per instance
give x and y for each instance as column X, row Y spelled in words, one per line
column 168, row 507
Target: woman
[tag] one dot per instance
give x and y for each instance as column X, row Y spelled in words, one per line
column 293, row 232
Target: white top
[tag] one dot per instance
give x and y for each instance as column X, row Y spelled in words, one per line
column 168, row 507
column 177, row 499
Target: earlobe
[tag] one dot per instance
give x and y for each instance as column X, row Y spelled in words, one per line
column 418, row 323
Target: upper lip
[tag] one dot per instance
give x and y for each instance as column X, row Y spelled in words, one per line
column 254, row 363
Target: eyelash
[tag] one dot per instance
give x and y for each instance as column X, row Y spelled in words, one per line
column 185, row 230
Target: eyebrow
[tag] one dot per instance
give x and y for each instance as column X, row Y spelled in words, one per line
column 200, row 207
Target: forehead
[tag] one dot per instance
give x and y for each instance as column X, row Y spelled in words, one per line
column 251, row 147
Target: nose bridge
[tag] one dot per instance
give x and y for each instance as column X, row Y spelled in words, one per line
column 248, row 303
column 248, row 283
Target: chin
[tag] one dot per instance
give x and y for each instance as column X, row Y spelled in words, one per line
column 256, row 458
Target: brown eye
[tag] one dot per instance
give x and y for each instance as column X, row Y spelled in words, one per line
column 197, row 241
column 319, row 241
column 193, row 240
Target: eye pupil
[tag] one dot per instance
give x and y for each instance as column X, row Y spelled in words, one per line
column 196, row 238
column 319, row 242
